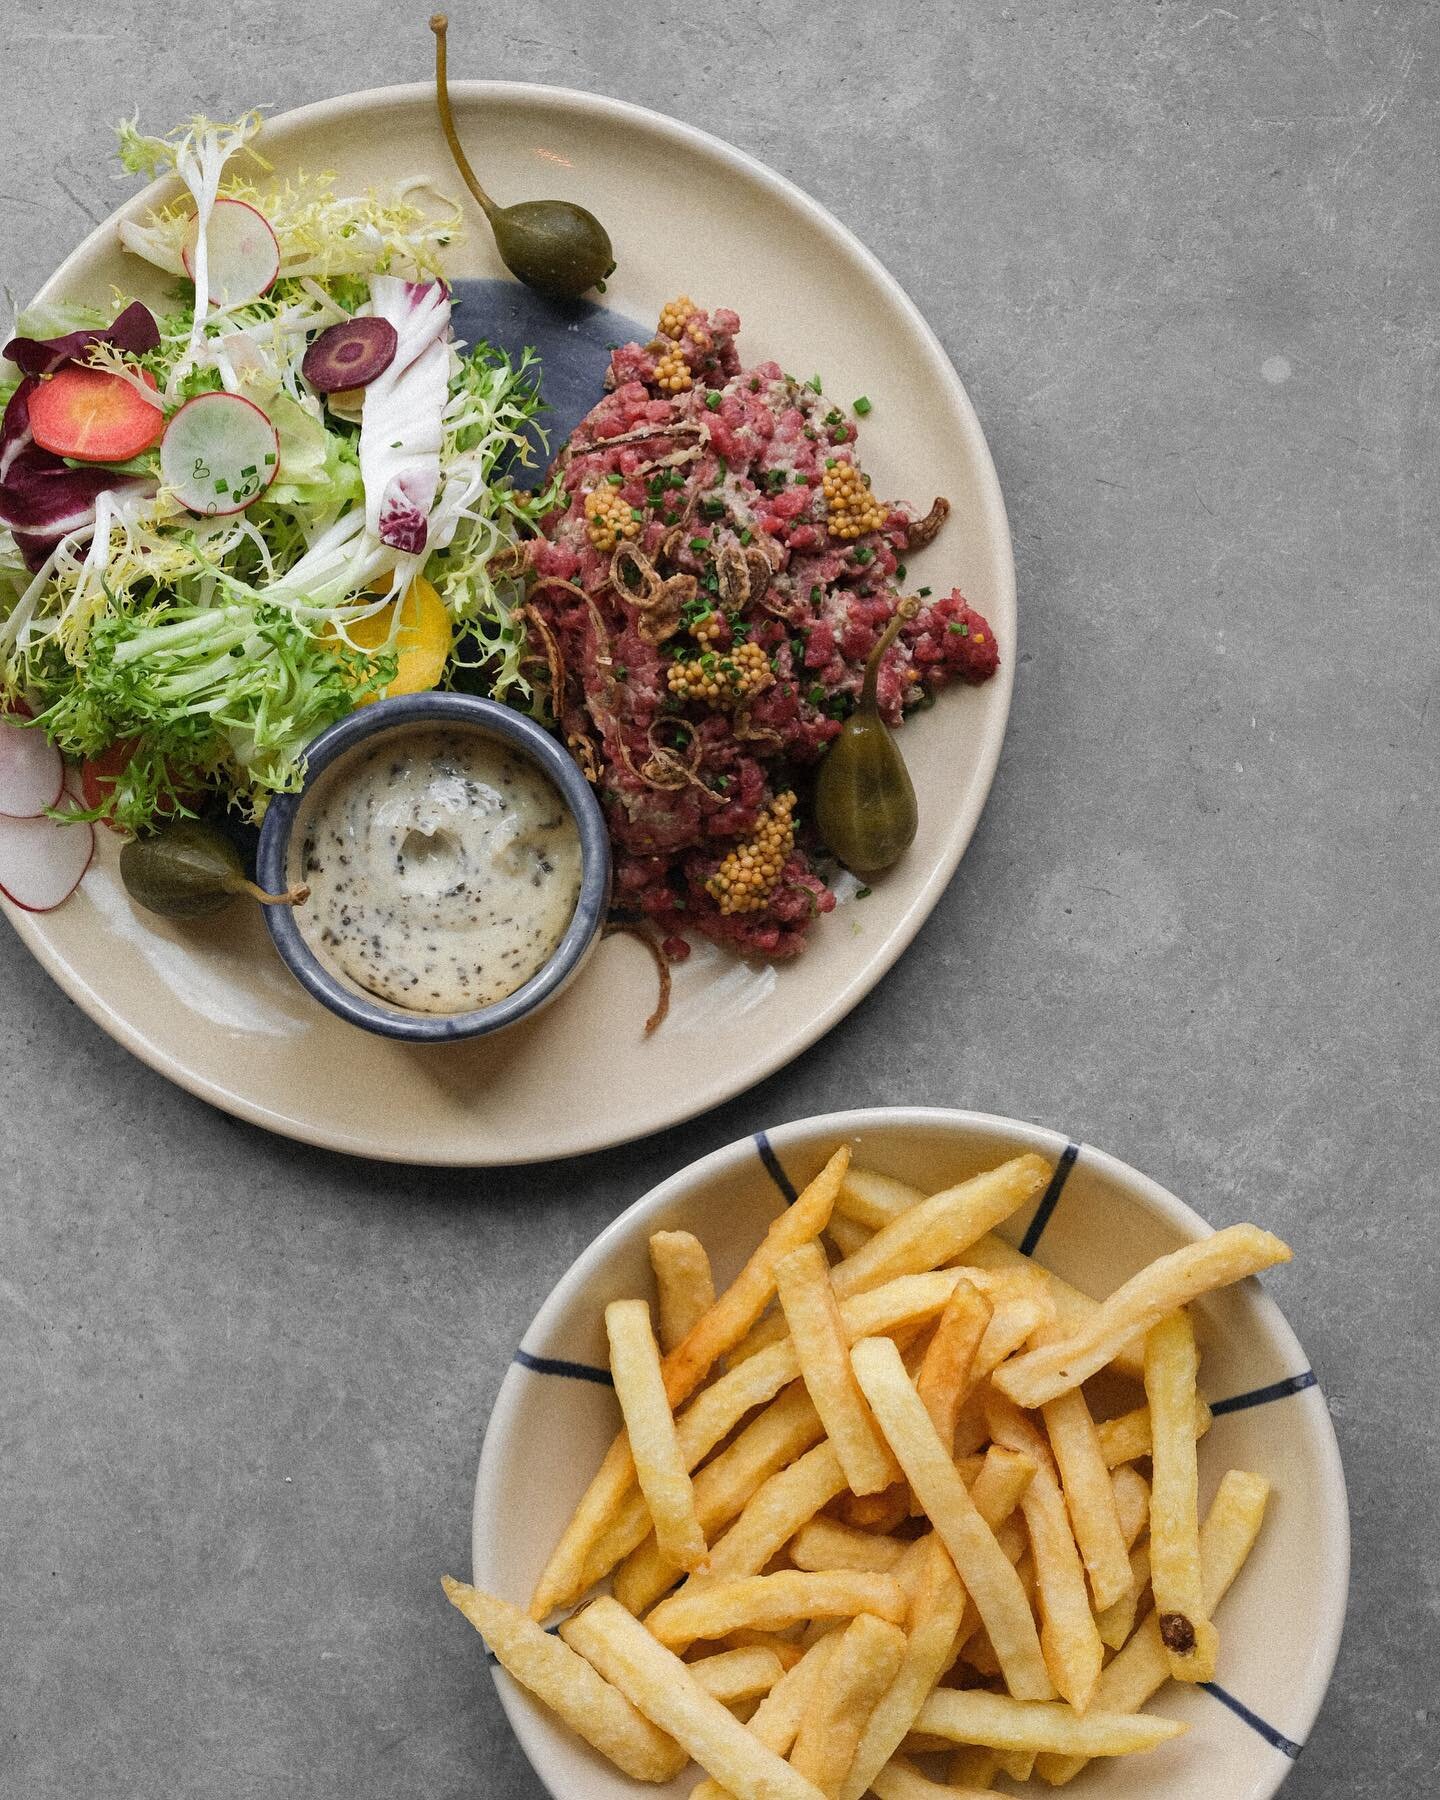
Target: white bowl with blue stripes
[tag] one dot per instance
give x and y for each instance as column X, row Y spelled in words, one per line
column 1099, row 1222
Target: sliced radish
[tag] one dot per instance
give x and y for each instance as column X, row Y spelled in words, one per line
column 42, row 861
column 242, row 253
column 32, row 772
column 219, row 453
column 350, row 355
column 94, row 416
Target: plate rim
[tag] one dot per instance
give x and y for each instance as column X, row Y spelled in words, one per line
column 30, row 927
column 840, row 1126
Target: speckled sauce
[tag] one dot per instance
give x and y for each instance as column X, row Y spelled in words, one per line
column 443, row 868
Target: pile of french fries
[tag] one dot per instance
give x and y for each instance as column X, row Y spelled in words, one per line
column 861, row 1510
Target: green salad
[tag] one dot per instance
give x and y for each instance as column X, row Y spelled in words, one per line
column 230, row 518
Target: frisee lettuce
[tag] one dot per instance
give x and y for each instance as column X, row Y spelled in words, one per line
column 218, row 647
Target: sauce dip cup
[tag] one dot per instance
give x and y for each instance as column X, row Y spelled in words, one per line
column 277, row 864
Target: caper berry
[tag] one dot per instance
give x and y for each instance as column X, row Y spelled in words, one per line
column 553, row 246
column 189, row 870
column 864, row 799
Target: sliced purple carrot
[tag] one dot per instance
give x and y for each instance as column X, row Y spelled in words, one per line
column 350, row 355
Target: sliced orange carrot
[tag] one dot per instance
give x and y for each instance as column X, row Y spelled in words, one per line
column 93, row 415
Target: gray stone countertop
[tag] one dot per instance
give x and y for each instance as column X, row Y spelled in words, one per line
column 1185, row 257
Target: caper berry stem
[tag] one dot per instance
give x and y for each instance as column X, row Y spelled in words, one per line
column 295, row 896
column 440, row 24
column 907, row 609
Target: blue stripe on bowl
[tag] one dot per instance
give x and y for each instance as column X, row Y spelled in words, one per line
column 1286, row 1746
column 1277, row 1390
column 1049, row 1200
column 774, row 1169
column 572, row 1371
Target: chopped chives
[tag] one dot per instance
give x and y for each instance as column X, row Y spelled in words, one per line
column 862, row 406
column 813, row 384
column 712, row 400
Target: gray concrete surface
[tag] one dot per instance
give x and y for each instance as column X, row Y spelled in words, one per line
column 1186, row 258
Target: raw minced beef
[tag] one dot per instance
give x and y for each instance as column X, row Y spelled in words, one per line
column 706, row 595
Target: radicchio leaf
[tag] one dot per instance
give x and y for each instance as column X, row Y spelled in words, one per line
column 41, row 497
column 133, row 331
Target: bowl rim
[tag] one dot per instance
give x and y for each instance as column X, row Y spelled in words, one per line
column 402, row 713
column 1333, row 1552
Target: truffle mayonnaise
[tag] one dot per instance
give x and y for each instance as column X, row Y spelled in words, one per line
column 443, row 867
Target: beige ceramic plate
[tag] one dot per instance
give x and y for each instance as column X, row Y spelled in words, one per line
column 211, row 1007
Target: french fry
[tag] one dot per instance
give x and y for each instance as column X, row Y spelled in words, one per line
column 1072, row 1308
column 1169, row 1282
column 1089, row 1497
column 1143, row 1667
column 684, row 1285
column 873, row 1199
column 863, row 1666
column 901, row 1780
column 569, row 1686
column 775, row 1512
column 1171, row 1365
column 658, row 1684
column 1132, row 1502
column 1014, row 1320
column 650, row 1427
column 846, row 1235
column 1127, row 1439
column 935, row 1613
column 771, row 1602
column 982, row 1565
column 1117, row 1621
column 971, row 1716
column 735, row 1675
column 1071, row 1644
column 777, row 1719
column 563, row 1579
column 750, row 1293
column 825, row 1543
column 878, row 1512
column 784, row 1649
column 1000, row 1483
column 782, row 1431
column 972, row 1766
column 940, row 1228
column 947, row 1369
column 808, row 1302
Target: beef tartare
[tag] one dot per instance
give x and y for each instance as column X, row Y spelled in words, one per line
column 706, row 593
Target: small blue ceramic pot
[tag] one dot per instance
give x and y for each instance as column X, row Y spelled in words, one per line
column 399, row 716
